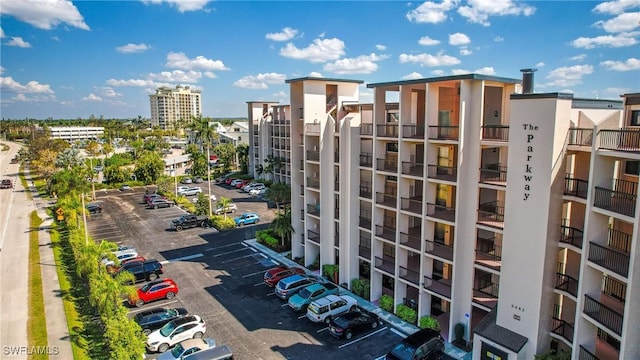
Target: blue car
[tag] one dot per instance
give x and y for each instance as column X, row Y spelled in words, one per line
column 247, row 218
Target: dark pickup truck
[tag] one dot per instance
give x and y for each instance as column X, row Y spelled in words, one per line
column 189, row 221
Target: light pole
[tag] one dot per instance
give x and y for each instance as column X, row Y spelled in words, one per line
column 209, row 176
column 93, row 184
column 175, row 178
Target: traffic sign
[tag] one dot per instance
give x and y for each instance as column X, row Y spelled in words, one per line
column 60, row 212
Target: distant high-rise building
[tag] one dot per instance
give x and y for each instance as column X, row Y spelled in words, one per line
column 169, row 106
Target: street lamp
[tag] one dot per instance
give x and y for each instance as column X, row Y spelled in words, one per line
column 175, row 177
column 209, row 176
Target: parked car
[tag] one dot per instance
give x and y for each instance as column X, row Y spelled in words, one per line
column 160, row 203
column 6, row 184
column 419, row 345
column 241, row 184
column 258, row 192
column 186, row 180
column 155, row 318
column 231, row 208
column 229, row 180
column 94, row 208
column 306, row 296
column 254, row 186
column 221, row 352
column 212, row 197
column 120, row 255
column 147, row 270
column 235, row 182
column 188, row 347
column 198, row 180
column 125, row 187
column 274, row 275
column 148, row 194
column 191, row 191
column 155, row 290
column 112, row 268
column 175, row 331
column 150, row 197
column 182, row 188
column 189, row 221
column 324, row 309
column 247, row 218
column 289, row 286
column 346, row 325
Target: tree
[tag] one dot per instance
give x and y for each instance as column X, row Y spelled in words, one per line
column 45, row 163
column 66, row 182
column 166, row 184
column 226, row 153
column 243, row 157
column 272, row 163
column 224, row 203
column 92, row 148
column 69, row 158
column 282, row 227
column 114, row 174
column 553, row 355
column 137, row 145
column 202, row 205
column 199, row 164
column 107, row 148
column 149, row 167
column 279, row 193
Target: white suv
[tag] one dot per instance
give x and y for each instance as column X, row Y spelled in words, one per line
column 175, row 331
column 192, row 191
column 323, row 309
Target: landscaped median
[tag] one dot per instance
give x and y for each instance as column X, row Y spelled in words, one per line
column 36, row 328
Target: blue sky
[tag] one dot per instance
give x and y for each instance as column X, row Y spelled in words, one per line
column 64, row 59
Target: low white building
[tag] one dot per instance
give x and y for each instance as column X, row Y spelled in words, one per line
column 76, row 133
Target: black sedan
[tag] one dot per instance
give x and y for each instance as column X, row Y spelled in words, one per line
column 94, row 208
column 346, row 325
column 153, row 319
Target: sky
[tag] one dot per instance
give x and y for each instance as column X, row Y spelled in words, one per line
column 66, row 59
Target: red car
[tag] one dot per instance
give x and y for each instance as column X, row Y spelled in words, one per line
column 154, row 290
column 229, row 180
column 242, row 184
column 272, row 276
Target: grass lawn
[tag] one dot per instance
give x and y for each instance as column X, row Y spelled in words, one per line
column 36, row 327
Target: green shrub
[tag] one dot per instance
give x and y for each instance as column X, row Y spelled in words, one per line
column 330, row 270
column 186, row 204
column 357, row 287
column 406, row 313
column 429, row 322
column 267, row 237
column 316, row 264
column 386, row 303
column 221, row 223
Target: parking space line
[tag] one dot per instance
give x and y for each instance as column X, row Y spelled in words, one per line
column 238, row 258
column 321, row 330
column 260, row 283
column 273, row 261
column 220, row 247
column 271, row 294
column 160, row 305
column 302, row 316
column 364, row 337
column 285, row 304
column 188, row 257
column 252, row 274
column 398, row 333
column 254, row 250
column 230, row 252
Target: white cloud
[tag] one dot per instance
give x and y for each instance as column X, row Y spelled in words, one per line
column 182, row 5
column 132, row 48
column 579, row 57
column 381, row 47
column 540, row 64
column 321, row 50
column 627, row 65
column 210, row 75
column 458, row 39
column 498, row 39
column 92, row 97
column 617, row 90
column 615, row 7
column 1, row 33
column 427, row 41
column 488, row 70
column 260, row 81
column 44, row 14
column 363, row 64
column 285, row 35
column 180, row 61
column 132, row 82
column 568, row 75
column 412, row 76
column 281, row 95
column 438, row 72
column 18, row 42
column 620, row 23
column 32, row 87
column 2, row 69
column 464, row 51
column 432, row 12
column 620, row 40
column 429, row 60
column 177, row 76
column 315, row 74
column 479, row 11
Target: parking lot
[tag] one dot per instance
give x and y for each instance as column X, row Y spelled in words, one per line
column 220, row 279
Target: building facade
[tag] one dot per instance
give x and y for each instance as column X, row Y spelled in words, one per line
column 76, row 133
column 170, row 106
column 470, row 198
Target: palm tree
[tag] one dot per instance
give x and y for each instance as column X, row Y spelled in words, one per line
column 224, row 203
column 203, row 133
column 279, row 193
column 282, row 226
column 69, row 158
column 271, row 164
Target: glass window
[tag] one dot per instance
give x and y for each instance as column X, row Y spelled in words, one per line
column 635, row 118
column 632, row 168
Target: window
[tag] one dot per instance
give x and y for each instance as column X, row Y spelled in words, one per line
column 635, row 118
column 632, row 167
column 392, row 147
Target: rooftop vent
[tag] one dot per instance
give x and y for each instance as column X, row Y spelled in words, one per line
column 527, row 80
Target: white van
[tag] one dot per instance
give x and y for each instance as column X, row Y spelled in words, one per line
column 222, row 352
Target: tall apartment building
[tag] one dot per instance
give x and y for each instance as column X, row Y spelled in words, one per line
column 474, row 200
column 169, row 106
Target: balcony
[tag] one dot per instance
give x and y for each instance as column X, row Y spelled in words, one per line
column 580, row 137
column 336, row 185
column 413, row 205
column 445, row 173
column 386, row 232
column 563, row 329
column 365, row 190
column 622, row 199
column 312, row 129
column 571, row 235
column 495, row 132
column 609, row 258
column 620, row 140
column 366, row 129
column 313, row 236
column 439, row 286
column 412, row 239
column 444, row 132
column 603, row 314
column 493, row 174
column 364, row 248
column 313, row 156
column 313, row 183
column 389, row 165
column 567, row 284
column 576, row 187
column 385, row 199
column 411, row 276
column 387, row 130
column 585, row 354
column 412, row 168
column 366, row 159
column 488, row 254
column 486, row 294
column 313, row 209
column 387, row 264
column 364, row 222
column 491, row 214
column 413, row 131
column 439, row 249
column 441, row 212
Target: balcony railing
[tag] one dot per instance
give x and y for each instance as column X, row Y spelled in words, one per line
column 495, row 132
column 567, row 284
column 440, row 286
column 313, row 209
column 387, row 130
column 412, row 168
column 585, row 354
column 312, row 128
column 580, row 137
column 313, row 183
column 486, row 293
column 603, row 314
column 489, row 254
column 365, row 190
column 622, row 199
column 441, row 212
column 411, row 204
column 444, row 132
column 364, row 251
column 390, row 165
column 491, row 214
column 366, row 159
column 313, row 236
column 364, row 222
column 439, row 249
column 609, row 258
column 576, row 187
column 619, row 240
column 620, row 140
column 366, row 129
column 445, row 173
column 409, row 275
column 409, row 240
column 313, row 155
column 385, row 199
column 413, row 131
column 493, row 174
column 386, row 264
column 571, row 235
column 562, row 328
column 386, row 232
